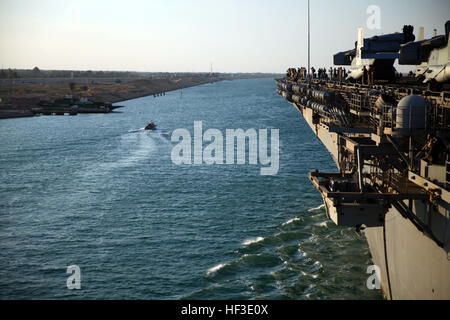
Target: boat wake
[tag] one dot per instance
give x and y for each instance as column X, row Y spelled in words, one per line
column 137, row 130
column 130, row 150
column 136, row 149
column 160, row 132
column 252, row 241
column 293, row 257
column 214, row 269
column 291, row 221
column 317, row 209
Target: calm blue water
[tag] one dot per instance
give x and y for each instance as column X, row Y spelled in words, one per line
column 84, row 191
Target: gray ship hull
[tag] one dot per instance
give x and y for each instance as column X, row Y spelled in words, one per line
column 413, row 265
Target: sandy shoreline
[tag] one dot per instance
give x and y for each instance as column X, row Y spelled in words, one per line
column 18, row 100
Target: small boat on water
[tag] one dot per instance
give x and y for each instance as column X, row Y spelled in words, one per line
column 151, row 126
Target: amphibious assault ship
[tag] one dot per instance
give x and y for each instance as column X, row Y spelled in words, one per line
column 388, row 137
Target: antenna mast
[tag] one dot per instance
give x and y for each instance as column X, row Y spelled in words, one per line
column 309, row 42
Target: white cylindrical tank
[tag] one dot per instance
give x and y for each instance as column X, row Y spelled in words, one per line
column 411, row 115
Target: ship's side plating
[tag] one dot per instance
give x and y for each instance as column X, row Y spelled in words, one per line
column 384, row 185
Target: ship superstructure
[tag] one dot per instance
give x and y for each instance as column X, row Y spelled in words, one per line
column 389, row 142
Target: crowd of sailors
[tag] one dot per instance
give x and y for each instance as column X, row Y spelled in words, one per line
column 338, row 74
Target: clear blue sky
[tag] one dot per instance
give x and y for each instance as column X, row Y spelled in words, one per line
column 189, row 35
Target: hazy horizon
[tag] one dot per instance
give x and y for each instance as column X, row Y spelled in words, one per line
column 131, row 71
column 188, row 36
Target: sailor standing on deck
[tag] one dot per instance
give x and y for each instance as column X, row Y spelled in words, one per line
column 435, row 150
column 365, row 74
